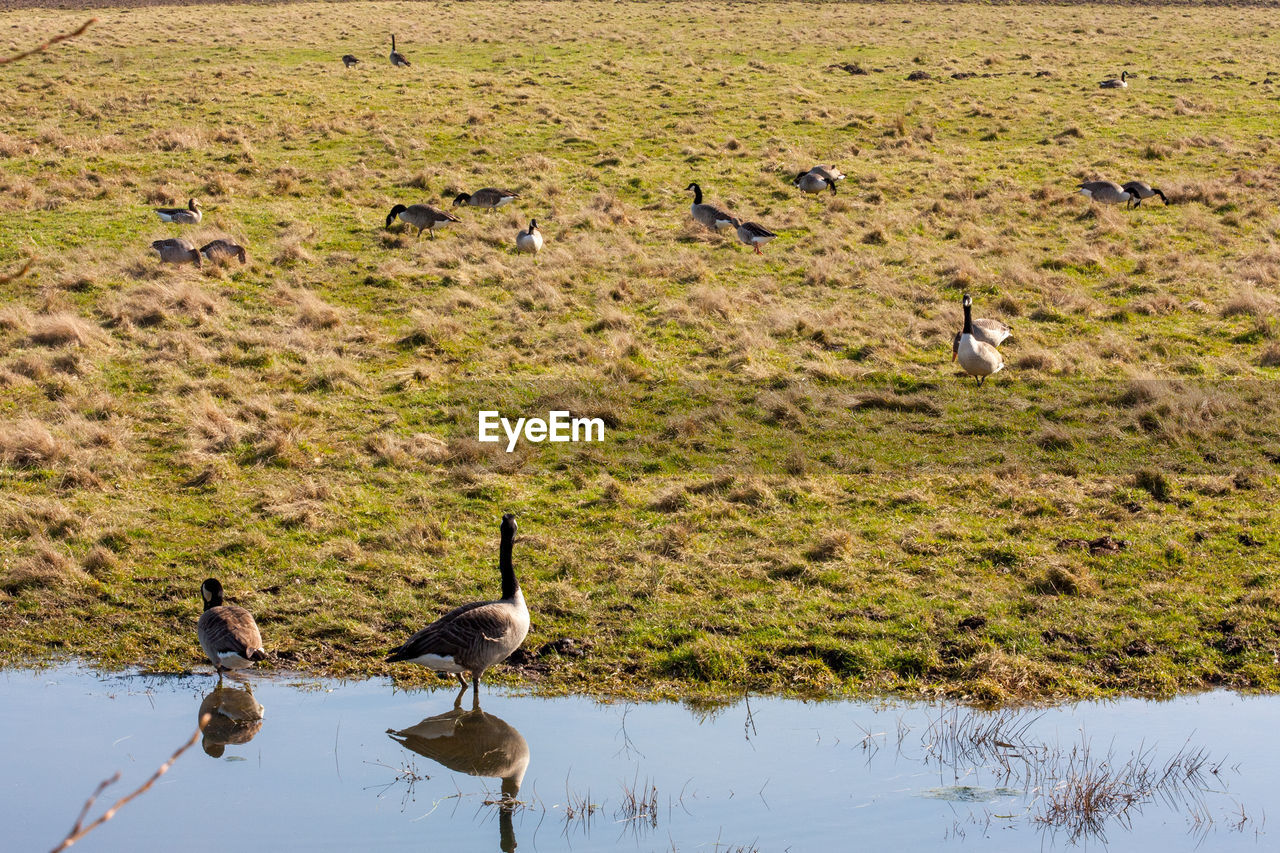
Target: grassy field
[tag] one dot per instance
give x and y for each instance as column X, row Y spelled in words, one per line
column 797, row 492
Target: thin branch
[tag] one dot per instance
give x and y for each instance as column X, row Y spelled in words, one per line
column 5, row 60
column 5, row 279
column 80, row 831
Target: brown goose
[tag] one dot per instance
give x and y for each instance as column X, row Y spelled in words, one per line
column 397, row 58
column 228, row 634
column 488, row 198
column 224, row 250
column 1142, row 191
column 977, row 358
column 176, row 251
column 421, row 216
column 474, row 637
column 1107, row 192
column 348, row 60
column 189, row 215
column 753, row 234
column 707, row 214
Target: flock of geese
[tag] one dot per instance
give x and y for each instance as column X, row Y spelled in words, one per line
column 468, row 639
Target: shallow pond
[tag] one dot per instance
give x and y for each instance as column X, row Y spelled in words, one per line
column 309, row 764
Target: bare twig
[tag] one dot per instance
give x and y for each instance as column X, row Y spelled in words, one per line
column 5, row 60
column 8, row 277
column 80, row 830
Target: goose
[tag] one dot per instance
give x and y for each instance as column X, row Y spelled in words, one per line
column 987, row 331
column 818, row 179
column 421, row 216
column 189, row 215
column 397, row 58
column 977, row 358
column 474, row 637
column 531, row 240
column 176, row 251
column 488, row 197
column 1107, row 192
column 1142, row 192
column 348, row 60
column 224, row 250
column 753, row 234
column 228, row 634
column 1120, row 82
column 708, row 214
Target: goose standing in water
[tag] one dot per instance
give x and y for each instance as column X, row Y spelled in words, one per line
column 421, row 216
column 189, row 215
column 707, row 214
column 1107, row 192
column 531, row 240
column 474, row 637
column 977, row 358
column 1141, row 192
column 397, row 58
column 227, row 633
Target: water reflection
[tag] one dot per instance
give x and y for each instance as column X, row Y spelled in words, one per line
column 477, row 744
column 234, row 717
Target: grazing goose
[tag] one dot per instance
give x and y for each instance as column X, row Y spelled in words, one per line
column 474, row 637
column 488, row 198
column 1141, row 192
column 977, row 358
column 753, row 234
column 530, row 241
column 1107, row 192
column 708, row 214
column 224, row 250
column 228, row 634
column 987, row 331
column 176, row 251
column 422, row 217
column 348, row 60
column 818, row 179
column 397, row 58
column 1120, row 82
column 189, row 215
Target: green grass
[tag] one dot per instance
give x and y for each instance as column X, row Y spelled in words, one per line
column 797, row 492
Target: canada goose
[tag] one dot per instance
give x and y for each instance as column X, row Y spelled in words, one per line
column 707, row 214
column 977, row 358
column 348, row 60
column 397, row 58
column 987, row 331
column 1107, row 192
column 753, row 234
column 422, row 217
column 176, row 251
column 228, row 634
column 819, row 178
column 1141, row 192
column 531, row 240
column 234, row 718
column 1116, row 82
column 189, row 215
column 488, row 198
column 474, row 637
column 224, row 249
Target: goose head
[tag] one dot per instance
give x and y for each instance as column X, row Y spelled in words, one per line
column 462, row 198
column 211, row 592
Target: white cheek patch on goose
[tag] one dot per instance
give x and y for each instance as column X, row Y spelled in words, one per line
column 438, row 662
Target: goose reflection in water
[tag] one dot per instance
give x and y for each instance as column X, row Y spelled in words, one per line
column 477, row 744
column 234, row 717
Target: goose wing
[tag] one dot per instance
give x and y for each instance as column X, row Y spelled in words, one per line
column 230, row 629
column 455, row 633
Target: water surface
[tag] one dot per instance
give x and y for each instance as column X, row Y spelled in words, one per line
column 309, row 764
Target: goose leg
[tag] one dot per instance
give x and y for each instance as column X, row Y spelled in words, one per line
column 457, row 700
column 461, row 680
